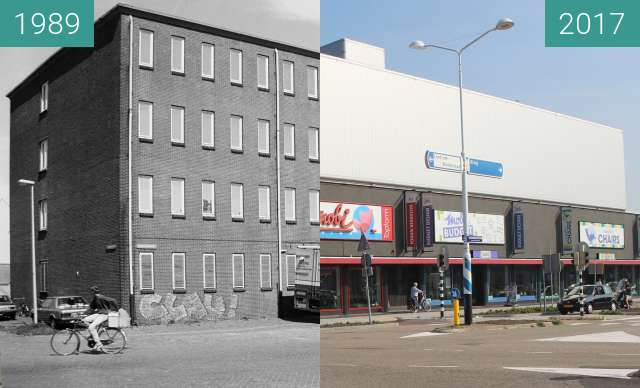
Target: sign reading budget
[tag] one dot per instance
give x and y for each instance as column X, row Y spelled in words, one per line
column 602, row 235
column 347, row 221
column 449, row 229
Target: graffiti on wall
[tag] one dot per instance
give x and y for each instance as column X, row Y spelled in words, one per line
column 170, row 308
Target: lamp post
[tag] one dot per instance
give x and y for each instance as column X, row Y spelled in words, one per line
column 31, row 184
column 502, row 24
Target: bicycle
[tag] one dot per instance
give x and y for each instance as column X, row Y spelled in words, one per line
column 67, row 341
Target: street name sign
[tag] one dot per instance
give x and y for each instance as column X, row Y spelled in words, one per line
column 485, row 168
column 445, row 162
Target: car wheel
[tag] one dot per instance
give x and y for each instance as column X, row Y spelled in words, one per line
column 563, row 311
column 53, row 323
column 614, row 306
column 13, row 316
column 589, row 309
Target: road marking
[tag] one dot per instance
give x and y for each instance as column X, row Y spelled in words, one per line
column 349, row 365
column 424, row 334
column 625, row 319
column 611, row 373
column 621, row 354
column 580, row 323
column 434, row 366
column 610, row 324
column 612, row 336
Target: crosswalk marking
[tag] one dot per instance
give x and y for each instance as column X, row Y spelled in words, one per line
column 612, row 336
column 611, row 373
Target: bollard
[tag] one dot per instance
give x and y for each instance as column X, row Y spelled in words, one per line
column 456, row 312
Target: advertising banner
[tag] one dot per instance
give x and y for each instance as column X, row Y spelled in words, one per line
column 427, row 225
column 566, row 219
column 602, row 235
column 411, row 199
column 518, row 229
column 347, row 221
column 449, row 229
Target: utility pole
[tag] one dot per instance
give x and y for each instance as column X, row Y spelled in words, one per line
column 443, row 264
column 363, row 246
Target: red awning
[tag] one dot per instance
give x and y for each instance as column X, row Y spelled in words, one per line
column 458, row 261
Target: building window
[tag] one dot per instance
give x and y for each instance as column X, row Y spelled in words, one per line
column 290, row 205
column 265, row 271
column 44, row 154
column 235, row 123
column 43, row 275
column 146, row 49
column 177, row 55
column 237, row 204
column 42, row 206
column 312, row 82
column 177, row 197
column 145, row 120
column 263, row 137
column 287, row 77
column 289, row 141
column 235, row 66
column 263, row 72
column 209, row 271
column 178, row 271
column 291, row 270
column 145, row 194
column 44, row 97
column 264, row 203
column 146, row 270
column 208, row 199
column 177, row 125
column 208, row 56
column 237, row 269
column 314, row 152
column 208, row 129
column 314, row 206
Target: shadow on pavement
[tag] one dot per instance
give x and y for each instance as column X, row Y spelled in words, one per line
column 300, row 316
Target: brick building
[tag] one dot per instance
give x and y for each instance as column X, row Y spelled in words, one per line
column 164, row 149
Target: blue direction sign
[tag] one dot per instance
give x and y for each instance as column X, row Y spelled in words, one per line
column 472, row 239
column 485, row 168
column 439, row 161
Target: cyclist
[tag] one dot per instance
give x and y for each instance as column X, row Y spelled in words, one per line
column 97, row 313
column 414, row 293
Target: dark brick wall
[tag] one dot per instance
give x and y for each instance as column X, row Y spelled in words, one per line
column 81, row 181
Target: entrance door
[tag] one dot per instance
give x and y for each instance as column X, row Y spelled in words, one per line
column 479, row 277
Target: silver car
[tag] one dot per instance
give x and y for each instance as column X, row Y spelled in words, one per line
column 58, row 310
column 7, row 307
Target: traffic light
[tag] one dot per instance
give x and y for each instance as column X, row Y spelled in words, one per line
column 443, row 258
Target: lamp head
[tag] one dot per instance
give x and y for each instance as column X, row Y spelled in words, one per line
column 26, row 182
column 418, row 44
column 504, row 24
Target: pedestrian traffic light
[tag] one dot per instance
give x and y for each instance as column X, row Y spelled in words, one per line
column 443, row 259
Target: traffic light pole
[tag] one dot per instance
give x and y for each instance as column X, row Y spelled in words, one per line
column 366, row 276
column 581, row 291
column 441, row 292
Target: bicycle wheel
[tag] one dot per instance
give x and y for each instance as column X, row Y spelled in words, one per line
column 113, row 339
column 65, row 342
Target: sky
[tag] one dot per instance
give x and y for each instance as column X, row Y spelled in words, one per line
column 597, row 84
column 271, row 19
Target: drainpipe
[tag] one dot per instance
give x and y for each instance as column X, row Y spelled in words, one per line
column 278, row 169
column 132, row 301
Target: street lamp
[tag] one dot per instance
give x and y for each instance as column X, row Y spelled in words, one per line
column 502, row 24
column 31, row 184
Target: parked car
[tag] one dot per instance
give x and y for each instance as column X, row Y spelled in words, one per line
column 7, row 307
column 596, row 297
column 59, row 310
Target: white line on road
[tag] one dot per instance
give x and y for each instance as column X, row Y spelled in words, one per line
column 580, row 323
column 434, row 366
column 610, row 324
column 612, row 336
column 611, row 373
column 424, row 334
column 349, row 365
column 621, row 354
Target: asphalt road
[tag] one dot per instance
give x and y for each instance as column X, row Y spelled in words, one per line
column 260, row 353
column 378, row 356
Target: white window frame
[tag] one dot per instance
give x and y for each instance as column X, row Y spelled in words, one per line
column 208, row 60
column 265, row 60
column 289, row 139
column 44, row 97
column 269, row 285
column 140, row 255
column 241, row 216
column 212, row 184
column 174, row 200
column 205, row 285
column 233, row 270
column 314, row 200
column 290, row 205
column 43, row 274
column 43, row 216
column 211, row 128
column 177, row 134
column 314, row 152
column 290, row 283
column 179, row 256
column 44, row 154
column 288, row 68
column 312, row 70
column 267, row 204
column 140, row 179
column 140, row 62
column 176, row 40
column 237, row 81
column 235, row 147
column 150, row 105
column 261, row 135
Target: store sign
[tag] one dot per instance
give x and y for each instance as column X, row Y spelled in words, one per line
column 518, row 229
column 449, row 227
column 411, row 199
column 566, row 220
column 484, row 254
column 347, row 221
column 606, row 256
column 427, row 225
column 602, row 235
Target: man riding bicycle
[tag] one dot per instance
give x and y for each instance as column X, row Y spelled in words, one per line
column 97, row 313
